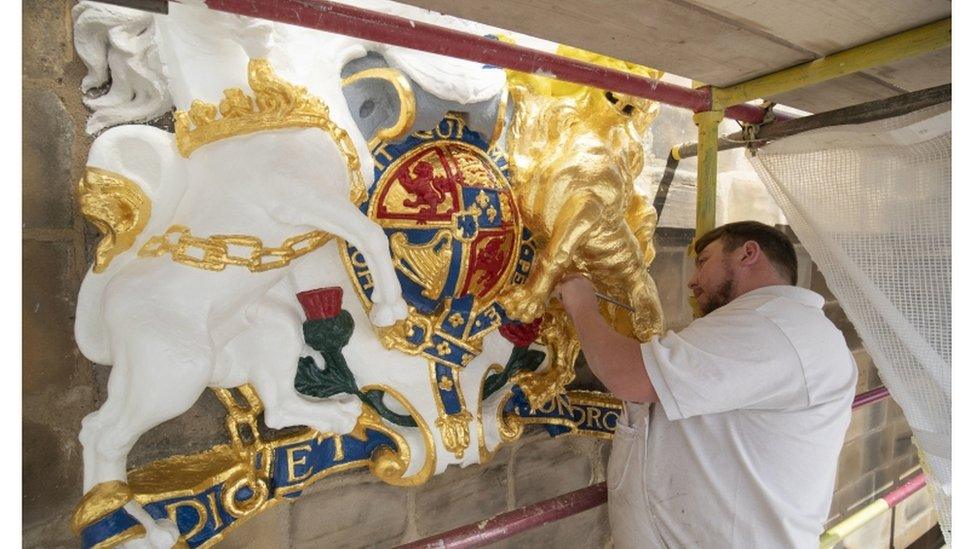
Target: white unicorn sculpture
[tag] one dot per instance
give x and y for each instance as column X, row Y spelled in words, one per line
column 169, row 328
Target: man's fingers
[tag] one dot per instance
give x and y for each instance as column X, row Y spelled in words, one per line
column 572, row 276
column 573, row 280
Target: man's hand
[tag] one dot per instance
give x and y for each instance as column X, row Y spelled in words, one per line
column 577, row 295
column 616, row 360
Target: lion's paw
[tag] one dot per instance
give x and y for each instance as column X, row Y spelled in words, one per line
column 646, row 326
column 519, row 304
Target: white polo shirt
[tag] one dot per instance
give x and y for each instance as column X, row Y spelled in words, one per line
column 755, row 399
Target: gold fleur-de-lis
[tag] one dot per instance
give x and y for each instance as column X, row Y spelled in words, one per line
column 482, row 199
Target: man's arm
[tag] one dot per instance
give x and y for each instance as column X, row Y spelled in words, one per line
column 615, row 359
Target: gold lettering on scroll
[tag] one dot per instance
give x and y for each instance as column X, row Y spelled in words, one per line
column 293, row 461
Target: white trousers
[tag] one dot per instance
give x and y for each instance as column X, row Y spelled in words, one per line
column 631, row 521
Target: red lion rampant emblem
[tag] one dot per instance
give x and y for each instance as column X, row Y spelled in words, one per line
column 428, row 190
column 490, row 261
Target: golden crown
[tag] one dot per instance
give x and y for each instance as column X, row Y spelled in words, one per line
column 277, row 104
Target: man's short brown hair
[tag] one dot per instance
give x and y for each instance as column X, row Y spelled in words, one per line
column 777, row 247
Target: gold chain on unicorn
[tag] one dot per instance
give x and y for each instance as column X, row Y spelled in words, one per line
column 214, row 253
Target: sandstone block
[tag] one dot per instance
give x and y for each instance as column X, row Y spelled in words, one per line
column 906, row 463
column 877, row 448
column 198, row 429
column 271, row 528
column 837, row 315
column 851, row 497
column 867, row 373
column 48, row 309
column 849, row 463
column 460, row 496
column 46, row 38
column 670, row 270
column 901, row 436
column 679, row 208
column 547, row 468
column 819, row 284
column 353, row 510
column 48, row 133
column 913, row 517
column 867, row 419
column 585, row 380
column 51, row 473
column 672, row 127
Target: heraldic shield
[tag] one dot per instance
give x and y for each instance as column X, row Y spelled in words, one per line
column 444, row 200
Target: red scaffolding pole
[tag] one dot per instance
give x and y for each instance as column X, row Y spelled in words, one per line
column 514, row 522
column 390, row 29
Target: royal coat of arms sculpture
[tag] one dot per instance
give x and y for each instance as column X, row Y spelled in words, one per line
column 347, row 236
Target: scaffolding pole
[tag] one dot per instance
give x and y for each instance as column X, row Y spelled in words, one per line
column 856, row 114
column 707, row 122
column 511, row 523
column 390, row 29
column 924, row 39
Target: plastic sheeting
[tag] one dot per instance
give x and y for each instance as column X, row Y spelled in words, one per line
column 871, row 204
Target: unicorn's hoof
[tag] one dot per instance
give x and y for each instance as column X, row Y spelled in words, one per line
column 339, row 415
column 400, row 306
column 164, row 535
column 384, row 315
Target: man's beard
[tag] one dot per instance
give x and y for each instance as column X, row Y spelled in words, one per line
column 720, row 298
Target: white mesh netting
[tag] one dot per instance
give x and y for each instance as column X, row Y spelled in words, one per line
column 871, row 203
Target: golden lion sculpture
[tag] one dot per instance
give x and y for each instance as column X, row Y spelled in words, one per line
column 574, row 152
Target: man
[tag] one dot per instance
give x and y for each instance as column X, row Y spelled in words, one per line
column 753, row 401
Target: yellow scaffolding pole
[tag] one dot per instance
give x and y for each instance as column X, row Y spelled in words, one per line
column 707, row 122
column 706, row 193
column 924, row 39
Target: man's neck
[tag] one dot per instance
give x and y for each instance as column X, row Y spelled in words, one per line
column 754, row 283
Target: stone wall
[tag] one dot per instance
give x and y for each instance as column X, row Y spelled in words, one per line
column 60, row 386
column 353, row 509
column 878, row 454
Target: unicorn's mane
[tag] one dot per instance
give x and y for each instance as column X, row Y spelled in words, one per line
column 118, row 47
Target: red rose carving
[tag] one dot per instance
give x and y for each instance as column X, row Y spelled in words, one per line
column 321, row 302
column 521, row 334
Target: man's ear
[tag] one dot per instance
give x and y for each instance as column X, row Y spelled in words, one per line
column 750, row 253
